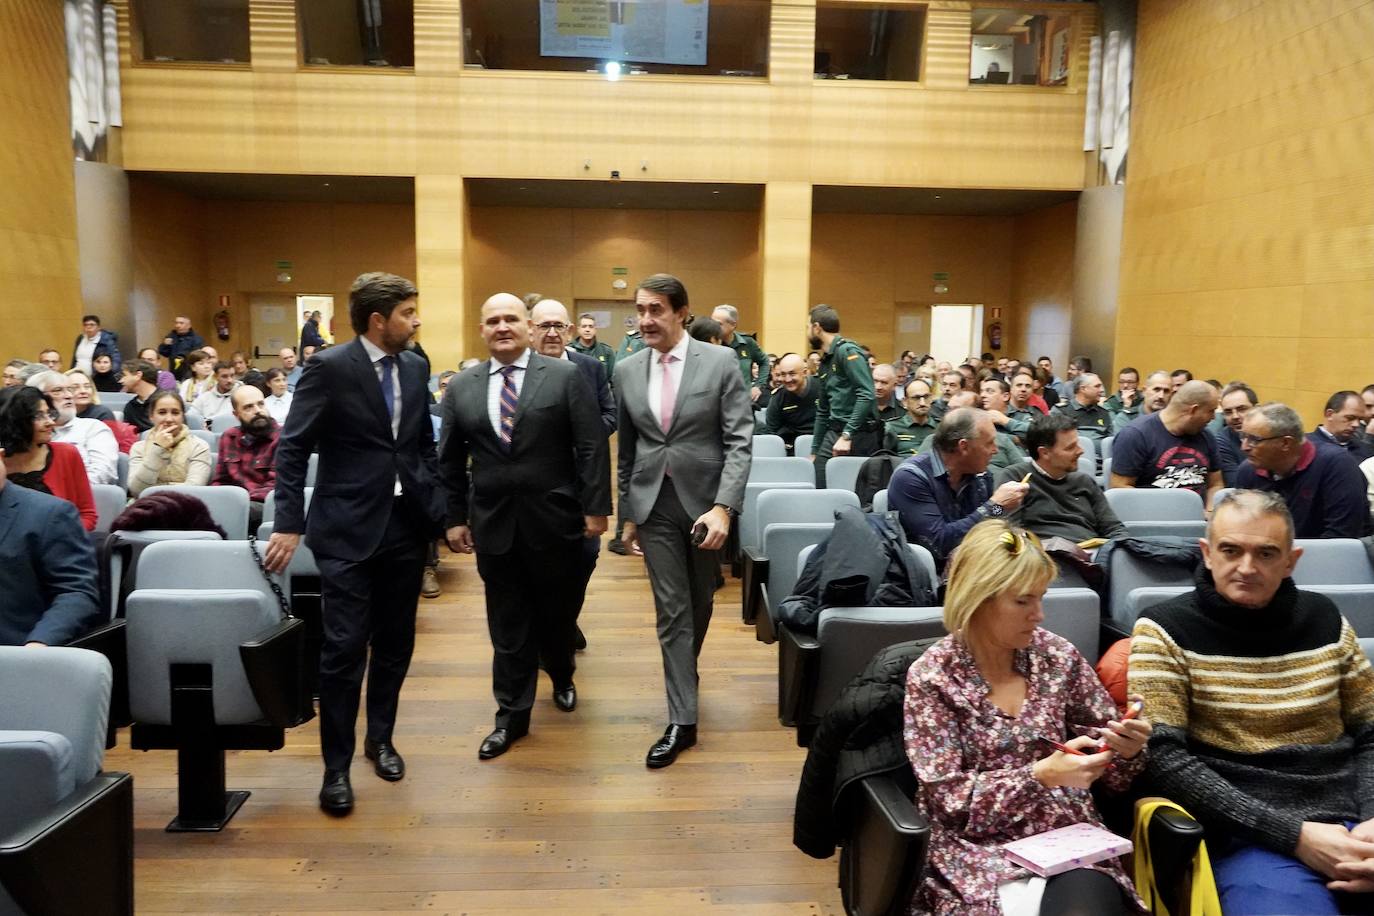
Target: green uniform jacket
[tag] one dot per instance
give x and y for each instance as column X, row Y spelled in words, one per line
column 750, row 355
column 905, row 436
column 598, row 351
column 893, row 411
column 846, row 390
column 1093, row 422
column 1019, row 420
column 632, row 343
column 1123, row 416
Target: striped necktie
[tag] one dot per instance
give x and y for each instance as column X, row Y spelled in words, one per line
column 510, row 399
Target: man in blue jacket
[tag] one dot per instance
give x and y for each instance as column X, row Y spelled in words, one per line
column 92, row 342
column 48, row 588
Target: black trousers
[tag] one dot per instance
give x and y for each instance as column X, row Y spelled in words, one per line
column 863, row 444
column 530, row 614
column 368, row 604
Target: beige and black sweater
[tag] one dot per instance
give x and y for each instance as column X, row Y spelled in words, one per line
column 1264, row 718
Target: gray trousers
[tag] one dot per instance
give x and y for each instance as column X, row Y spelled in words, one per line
column 683, row 579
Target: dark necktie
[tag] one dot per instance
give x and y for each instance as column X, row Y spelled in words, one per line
column 388, row 396
column 510, row 399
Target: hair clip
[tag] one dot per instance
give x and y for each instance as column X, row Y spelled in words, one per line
column 1012, row 541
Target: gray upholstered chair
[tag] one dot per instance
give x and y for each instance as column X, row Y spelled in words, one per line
column 66, row 827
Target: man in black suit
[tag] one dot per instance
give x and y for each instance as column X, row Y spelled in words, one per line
column 540, row 483
column 365, row 408
column 551, row 330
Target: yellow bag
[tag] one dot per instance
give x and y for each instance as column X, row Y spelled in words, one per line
column 1204, row 900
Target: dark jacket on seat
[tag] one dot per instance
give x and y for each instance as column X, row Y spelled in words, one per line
column 860, row 736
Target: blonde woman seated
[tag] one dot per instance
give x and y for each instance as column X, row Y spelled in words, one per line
column 169, row 454
column 979, row 705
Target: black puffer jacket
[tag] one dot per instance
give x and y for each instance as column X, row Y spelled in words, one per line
column 861, row 735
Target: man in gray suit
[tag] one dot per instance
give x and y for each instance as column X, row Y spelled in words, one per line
column 686, row 431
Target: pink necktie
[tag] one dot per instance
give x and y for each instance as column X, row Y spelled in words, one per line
column 668, row 392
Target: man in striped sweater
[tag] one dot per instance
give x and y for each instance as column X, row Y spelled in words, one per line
column 1263, row 708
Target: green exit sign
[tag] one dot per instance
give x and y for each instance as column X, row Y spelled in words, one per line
column 940, row 277
column 283, row 265
column 620, row 271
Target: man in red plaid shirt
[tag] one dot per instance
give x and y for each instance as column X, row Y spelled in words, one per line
column 248, row 452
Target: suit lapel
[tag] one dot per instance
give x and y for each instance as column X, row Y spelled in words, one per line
column 534, row 378
column 371, row 386
column 10, row 504
column 689, row 374
column 472, row 401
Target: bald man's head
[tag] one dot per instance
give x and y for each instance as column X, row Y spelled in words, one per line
column 505, row 327
column 792, row 373
column 1192, row 407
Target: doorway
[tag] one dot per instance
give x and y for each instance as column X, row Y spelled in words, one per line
column 610, row 315
column 956, row 332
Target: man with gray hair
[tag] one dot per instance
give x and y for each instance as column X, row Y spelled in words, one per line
column 1320, row 483
column 1263, row 708
column 14, row 372
column 93, row 439
column 886, row 404
column 753, row 362
column 1084, row 407
column 942, row 493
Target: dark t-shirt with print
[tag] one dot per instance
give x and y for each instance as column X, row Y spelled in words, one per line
column 1156, row 457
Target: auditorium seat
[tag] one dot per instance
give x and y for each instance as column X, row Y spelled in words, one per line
column 213, row 665
column 769, row 446
column 774, row 506
column 802, row 446
column 66, row 827
column 109, row 502
column 1148, row 512
column 228, row 505
column 842, row 472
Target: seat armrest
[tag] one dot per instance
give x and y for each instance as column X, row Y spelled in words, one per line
column 111, row 640
column 274, row 661
column 752, row 577
column 799, row 656
column 885, row 851
column 93, row 826
column 1174, row 841
column 765, row 628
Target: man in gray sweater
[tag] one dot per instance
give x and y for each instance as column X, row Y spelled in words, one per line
column 1061, row 501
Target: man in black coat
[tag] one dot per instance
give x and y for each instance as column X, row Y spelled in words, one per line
column 539, row 484
column 365, row 408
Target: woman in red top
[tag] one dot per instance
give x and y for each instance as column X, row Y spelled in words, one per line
column 33, row 460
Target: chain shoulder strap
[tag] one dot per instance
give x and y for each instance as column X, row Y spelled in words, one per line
column 267, row 576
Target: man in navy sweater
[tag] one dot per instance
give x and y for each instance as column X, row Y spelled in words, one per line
column 1320, row 482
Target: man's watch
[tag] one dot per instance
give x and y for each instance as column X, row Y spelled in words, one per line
column 994, row 510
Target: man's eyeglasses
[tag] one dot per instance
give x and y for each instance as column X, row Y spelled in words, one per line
column 548, row 326
column 918, row 397
column 1247, row 439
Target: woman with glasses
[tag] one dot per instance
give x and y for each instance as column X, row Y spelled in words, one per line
column 983, row 707
column 86, row 399
column 33, row 460
column 170, row 453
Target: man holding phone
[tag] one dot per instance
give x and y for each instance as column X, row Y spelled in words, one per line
column 686, row 435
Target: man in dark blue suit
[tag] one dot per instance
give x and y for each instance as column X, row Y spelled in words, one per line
column 48, row 587
column 539, row 483
column 550, row 332
column 365, row 408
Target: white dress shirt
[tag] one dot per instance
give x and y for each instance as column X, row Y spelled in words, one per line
column 97, row 445
column 494, row 383
column 212, row 406
column 278, row 407
column 656, row 375
column 376, row 354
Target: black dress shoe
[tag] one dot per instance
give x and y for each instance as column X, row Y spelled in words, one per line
column 336, row 795
column 579, row 639
column 385, row 760
column 675, row 740
column 565, row 698
column 617, row 546
column 498, row 742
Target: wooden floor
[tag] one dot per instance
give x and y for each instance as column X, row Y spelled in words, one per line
column 568, row 821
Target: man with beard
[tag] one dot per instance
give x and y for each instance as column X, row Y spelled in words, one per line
column 792, row 409
column 1124, row 406
column 845, row 422
column 248, row 452
column 1159, row 391
column 951, row 383
column 93, row 439
column 364, row 407
column 905, row 434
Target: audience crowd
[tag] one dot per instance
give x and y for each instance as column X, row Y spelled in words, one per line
column 1258, row 702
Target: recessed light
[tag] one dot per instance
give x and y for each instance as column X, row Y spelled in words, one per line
column 326, row 184
column 937, row 196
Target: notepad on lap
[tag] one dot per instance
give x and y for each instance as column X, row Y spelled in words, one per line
column 1058, row 851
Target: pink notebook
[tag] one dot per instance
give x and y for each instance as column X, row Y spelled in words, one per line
column 1067, row 848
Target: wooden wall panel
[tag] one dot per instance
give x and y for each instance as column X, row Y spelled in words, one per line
column 38, row 247
column 1042, row 267
column 1248, row 247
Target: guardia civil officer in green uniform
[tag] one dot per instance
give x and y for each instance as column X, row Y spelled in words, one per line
column 586, row 343
column 887, row 403
column 845, row 422
column 751, row 355
column 906, row 434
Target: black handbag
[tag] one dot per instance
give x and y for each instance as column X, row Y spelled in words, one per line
column 274, row 661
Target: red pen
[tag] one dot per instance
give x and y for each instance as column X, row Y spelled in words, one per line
column 1061, row 747
column 1133, row 709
